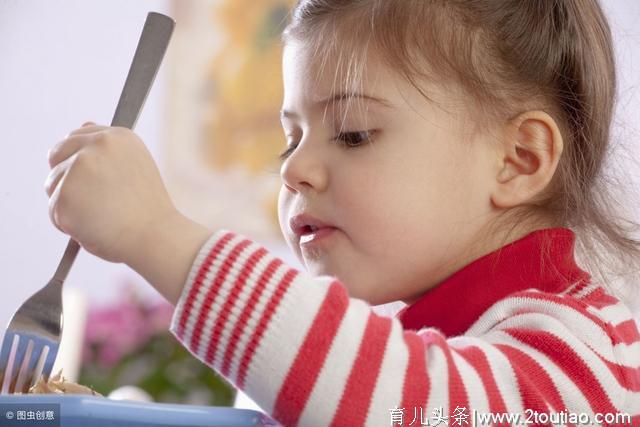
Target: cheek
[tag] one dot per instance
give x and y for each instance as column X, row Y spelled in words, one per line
column 401, row 205
column 370, row 209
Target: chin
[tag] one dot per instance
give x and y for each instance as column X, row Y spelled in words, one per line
column 316, row 268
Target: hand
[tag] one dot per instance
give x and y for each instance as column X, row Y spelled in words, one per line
column 106, row 191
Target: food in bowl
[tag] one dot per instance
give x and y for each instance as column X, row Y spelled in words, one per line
column 58, row 384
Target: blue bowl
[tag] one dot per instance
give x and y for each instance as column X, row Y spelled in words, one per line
column 49, row 410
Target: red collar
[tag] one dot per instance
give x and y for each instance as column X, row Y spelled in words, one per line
column 458, row 301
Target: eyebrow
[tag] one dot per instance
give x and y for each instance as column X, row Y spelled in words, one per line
column 339, row 97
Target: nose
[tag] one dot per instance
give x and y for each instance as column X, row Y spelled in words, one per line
column 306, row 169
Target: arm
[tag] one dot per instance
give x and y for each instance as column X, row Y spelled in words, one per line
column 310, row 355
column 166, row 252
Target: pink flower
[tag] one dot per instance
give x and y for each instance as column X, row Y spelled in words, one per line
column 114, row 331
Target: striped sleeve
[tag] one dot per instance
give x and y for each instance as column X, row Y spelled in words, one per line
column 310, row 355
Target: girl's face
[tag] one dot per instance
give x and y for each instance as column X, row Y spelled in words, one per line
column 399, row 191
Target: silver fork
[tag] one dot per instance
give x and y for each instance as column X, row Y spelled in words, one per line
column 31, row 341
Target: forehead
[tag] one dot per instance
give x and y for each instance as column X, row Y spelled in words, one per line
column 312, row 75
column 316, row 73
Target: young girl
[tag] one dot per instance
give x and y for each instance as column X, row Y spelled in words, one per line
column 442, row 153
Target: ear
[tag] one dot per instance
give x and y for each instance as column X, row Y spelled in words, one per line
column 531, row 149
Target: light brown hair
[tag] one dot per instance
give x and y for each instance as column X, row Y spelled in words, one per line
column 511, row 56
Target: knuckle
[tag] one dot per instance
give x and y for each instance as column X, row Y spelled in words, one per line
column 74, row 133
column 79, row 159
column 54, row 214
column 83, row 158
column 53, row 154
column 53, row 179
column 102, row 139
column 47, row 188
column 79, row 168
column 103, row 142
column 61, row 199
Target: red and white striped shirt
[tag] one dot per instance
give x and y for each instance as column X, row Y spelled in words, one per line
column 511, row 333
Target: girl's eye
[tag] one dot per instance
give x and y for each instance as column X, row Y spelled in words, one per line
column 347, row 139
column 354, row 139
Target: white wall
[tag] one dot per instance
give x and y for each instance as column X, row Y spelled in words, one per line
column 64, row 62
column 624, row 19
column 61, row 63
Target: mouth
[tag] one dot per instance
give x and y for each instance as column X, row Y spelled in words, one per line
column 308, row 229
column 312, row 234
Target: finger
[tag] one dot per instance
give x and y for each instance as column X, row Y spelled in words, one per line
column 87, row 127
column 55, row 175
column 54, row 203
column 53, row 209
column 67, row 148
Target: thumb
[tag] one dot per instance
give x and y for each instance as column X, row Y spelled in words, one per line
column 88, row 124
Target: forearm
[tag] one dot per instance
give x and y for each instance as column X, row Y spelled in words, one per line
column 165, row 253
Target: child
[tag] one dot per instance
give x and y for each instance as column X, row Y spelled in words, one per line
column 441, row 153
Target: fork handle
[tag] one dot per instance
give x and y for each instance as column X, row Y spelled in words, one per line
column 152, row 45
column 66, row 262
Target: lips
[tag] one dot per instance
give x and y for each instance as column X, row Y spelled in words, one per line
column 306, row 225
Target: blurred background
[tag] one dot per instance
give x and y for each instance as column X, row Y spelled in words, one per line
column 211, row 122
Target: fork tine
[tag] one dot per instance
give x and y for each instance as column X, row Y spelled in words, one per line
column 24, row 365
column 32, row 367
column 39, row 369
column 7, row 342
column 16, row 356
column 8, row 349
column 49, row 360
